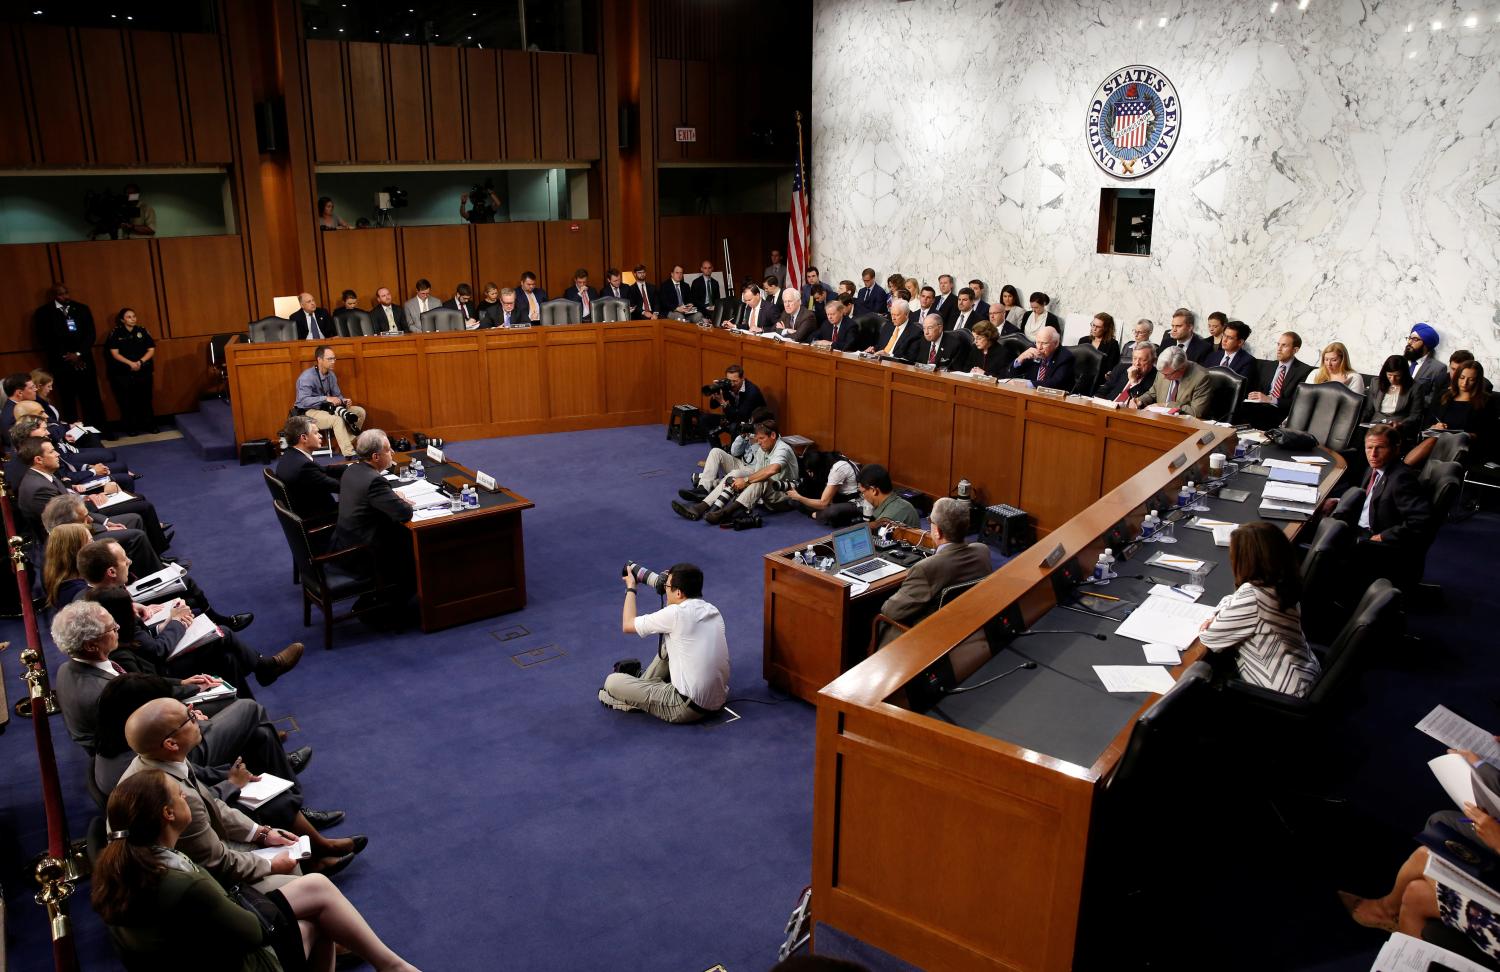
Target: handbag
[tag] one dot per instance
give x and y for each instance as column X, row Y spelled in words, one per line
column 277, row 922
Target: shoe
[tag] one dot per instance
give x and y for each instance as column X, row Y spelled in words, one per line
column 694, row 512
column 299, row 758
column 329, row 866
column 323, row 819
column 360, row 842
column 694, row 495
column 613, row 703
column 628, row 666
column 238, row 622
column 1352, row 902
column 165, row 527
column 270, row 669
column 725, row 512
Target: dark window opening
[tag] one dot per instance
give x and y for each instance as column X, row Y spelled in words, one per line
column 1125, row 218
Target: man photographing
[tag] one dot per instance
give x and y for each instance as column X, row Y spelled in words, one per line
column 689, row 677
column 737, row 396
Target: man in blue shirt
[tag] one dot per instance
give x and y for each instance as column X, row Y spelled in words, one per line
column 320, row 399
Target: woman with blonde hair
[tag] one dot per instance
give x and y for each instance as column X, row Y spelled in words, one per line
column 60, row 577
column 1335, row 367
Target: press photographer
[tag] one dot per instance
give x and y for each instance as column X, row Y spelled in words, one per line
column 479, row 204
column 738, row 397
column 770, row 472
column 689, row 677
column 121, row 215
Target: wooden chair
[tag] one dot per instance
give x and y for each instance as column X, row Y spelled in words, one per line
column 330, row 577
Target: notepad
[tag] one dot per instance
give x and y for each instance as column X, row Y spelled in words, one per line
column 166, row 581
column 1165, row 621
column 1162, row 655
column 220, row 691
column 1222, row 535
column 115, row 499
column 1135, row 678
column 1184, row 592
column 1290, row 492
column 430, row 513
column 1172, row 562
column 1204, row 523
column 268, row 787
column 1311, row 460
column 300, row 851
column 201, row 630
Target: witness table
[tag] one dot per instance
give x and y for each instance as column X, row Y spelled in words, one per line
column 470, row 565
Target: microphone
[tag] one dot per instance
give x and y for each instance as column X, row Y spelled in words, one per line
column 1047, row 631
column 996, row 678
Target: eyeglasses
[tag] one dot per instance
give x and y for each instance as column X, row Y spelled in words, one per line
column 182, row 725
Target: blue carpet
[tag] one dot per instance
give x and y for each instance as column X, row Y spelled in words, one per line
column 209, row 432
column 516, row 822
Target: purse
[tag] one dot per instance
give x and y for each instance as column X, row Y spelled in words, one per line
column 277, row 922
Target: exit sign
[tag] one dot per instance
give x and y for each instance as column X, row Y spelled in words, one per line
column 687, row 134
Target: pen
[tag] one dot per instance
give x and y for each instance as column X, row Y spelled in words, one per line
column 1102, row 597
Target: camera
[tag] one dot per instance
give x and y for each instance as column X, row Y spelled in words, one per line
column 105, row 211
column 719, row 387
column 650, row 578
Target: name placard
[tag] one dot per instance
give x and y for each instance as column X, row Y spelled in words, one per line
column 434, row 454
column 485, row 480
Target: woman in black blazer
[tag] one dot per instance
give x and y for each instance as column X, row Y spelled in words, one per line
column 986, row 357
column 1395, row 399
column 1102, row 337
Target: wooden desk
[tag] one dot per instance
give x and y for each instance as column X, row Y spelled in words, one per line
column 952, row 848
column 814, row 629
column 470, row 565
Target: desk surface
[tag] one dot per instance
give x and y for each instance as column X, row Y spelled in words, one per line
column 501, row 500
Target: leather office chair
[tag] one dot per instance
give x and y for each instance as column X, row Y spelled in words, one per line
column 562, row 311
column 611, row 310
column 1452, row 447
column 974, row 651
column 869, row 330
column 1228, row 388
column 269, row 329
column 321, row 538
column 355, row 323
column 1325, row 593
column 441, row 319
column 727, row 309
column 1330, row 412
column 217, row 360
column 1160, row 724
column 1011, row 346
column 330, row 576
column 1087, row 361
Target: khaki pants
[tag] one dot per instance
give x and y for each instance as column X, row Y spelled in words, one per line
column 766, row 489
column 718, row 465
column 328, row 420
column 653, row 693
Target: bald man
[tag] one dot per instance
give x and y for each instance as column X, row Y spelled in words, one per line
column 312, row 321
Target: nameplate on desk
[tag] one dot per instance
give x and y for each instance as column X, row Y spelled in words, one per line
column 435, row 454
column 1206, row 437
column 1050, row 392
column 1055, row 557
column 485, row 480
column 1178, row 462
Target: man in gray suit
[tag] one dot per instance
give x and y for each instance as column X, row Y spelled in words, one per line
column 420, row 304
column 1421, row 353
column 955, row 562
column 1179, row 384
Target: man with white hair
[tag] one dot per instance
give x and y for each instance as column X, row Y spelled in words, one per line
column 312, row 321
column 900, row 334
column 795, row 319
column 955, row 562
column 371, row 512
column 1180, row 384
column 1047, row 364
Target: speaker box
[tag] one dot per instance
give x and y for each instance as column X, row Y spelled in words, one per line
column 627, row 126
column 270, row 125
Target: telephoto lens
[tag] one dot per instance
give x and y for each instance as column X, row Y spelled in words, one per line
column 650, row 578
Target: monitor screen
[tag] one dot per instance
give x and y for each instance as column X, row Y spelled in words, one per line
column 852, row 544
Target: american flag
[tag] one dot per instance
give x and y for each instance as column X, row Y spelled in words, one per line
column 1132, row 124
column 797, row 239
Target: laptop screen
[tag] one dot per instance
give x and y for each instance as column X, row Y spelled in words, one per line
column 852, row 544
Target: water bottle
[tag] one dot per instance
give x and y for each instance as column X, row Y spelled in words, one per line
column 1149, row 526
column 471, row 497
column 1184, row 496
column 1109, row 556
column 1101, row 569
column 417, row 472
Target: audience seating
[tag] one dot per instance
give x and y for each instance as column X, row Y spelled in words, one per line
column 1228, row 387
column 610, row 310
column 326, row 577
column 562, row 311
column 1330, row 412
column 1087, row 360
column 440, row 319
column 269, row 329
column 1452, row 447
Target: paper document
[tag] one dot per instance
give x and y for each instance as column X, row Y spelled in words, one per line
column 1456, row 732
column 1402, row 953
column 300, row 851
column 1165, row 621
column 221, row 691
column 1135, row 678
column 1443, row 871
column 1293, row 466
column 93, row 484
column 263, row 789
column 1183, row 592
column 1290, row 492
column 1162, row 409
column 201, row 630
column 1185, row 564
column 115, row 499
column 431, row 513
column 1311, row 460
column 153, row 584
column 1204, row 523
column 1456, row 776
column 1163, row 655
column 417, row 489
column 162, row 613
column 1222, row 535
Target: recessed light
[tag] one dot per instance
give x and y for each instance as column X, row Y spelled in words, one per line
column 341, row 30
column 1411, row 55
column 1409, row 27
column 405, row 35
column 1437, row 25
column 1302, row 4
column 114, row 16
column 1471, row 21
column 36, row 13
column 1162, row 22
column 1274, row 6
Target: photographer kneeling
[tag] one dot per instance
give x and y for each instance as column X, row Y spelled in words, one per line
column 768, row 476
column 737, row 396
column 689, row 677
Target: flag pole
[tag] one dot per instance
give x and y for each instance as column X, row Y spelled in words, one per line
column 805, row 190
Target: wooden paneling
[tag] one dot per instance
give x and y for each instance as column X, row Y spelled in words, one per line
column 809, row 403
column 568, row 249
column 587, row 126
column 686, row 240
column 208, row 99
column 204, row 282
column 629, row 372
column 1059, row 472
column 985, row 451
column 697, row 84
column 55, row 95
column 747, row 245
column 1124, row 459
column 262, row 389
column 325, row 93
column 681, row 372
column 401, row 404
column 159, row 92
column 668, row 108
column 859, row 417
column 439, row 253
column 107, row 94
column 29, row 272
column 182, row 373
column 729, row 92
column 572, row 378
column 456, row 379
column 515, row 379
column 16, row 148
column 408, row 103
column 367, row 100
column 552, row 105
column 920, row 445
column 506, row 250
column 446, row 97
column 111, row 274
column 520, row 130
column 482, row 70
column 361, row 260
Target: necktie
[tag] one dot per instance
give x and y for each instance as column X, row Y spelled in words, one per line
column 312, row 327
column 864, row 295
column 390, row 319
column 1364, row 514
column 507, row 319
column 890, row 346
column 1225, row 362
column 645, row 299
column 932, row 353
column 1276, row 384
column 1041, row 372
column 835, row 338
column 584, row 293
column 1124, row 392
column 531, row 302
column 1414, row 366
column 1172, row 394
column 117, row 668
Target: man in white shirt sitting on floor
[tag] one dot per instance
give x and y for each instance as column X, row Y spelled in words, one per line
column 689, row 677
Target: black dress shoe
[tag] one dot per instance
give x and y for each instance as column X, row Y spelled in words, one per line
column 239, row 622
column 694, row 512
column 360, row 843
column 725, row 512
column 333, row 866
column 165, row 526
column 694, row 495
column 299, row 758
column 323, row 819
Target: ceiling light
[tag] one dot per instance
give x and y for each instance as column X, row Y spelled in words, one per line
column 1274, row 6
column 1162, row 22
column 1409, row 27
column 341, row 30
column 1437, row 25
column 36, row 13
column 1302, row 4
column 405, row 35
column 1471, row 21
column 1411, row 55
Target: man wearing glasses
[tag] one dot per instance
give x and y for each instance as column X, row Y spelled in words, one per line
column 373, row 513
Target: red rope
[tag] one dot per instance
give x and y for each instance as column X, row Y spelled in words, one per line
column 64, row 957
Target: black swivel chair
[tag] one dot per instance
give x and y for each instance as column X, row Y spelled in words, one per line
column 611, row 310
column 562, row 311
column 1086, row 363
column 1325, row 585
column 269, row 329
column 1329, row 412
column 1452, row 447
column 1010, row 347
column 1227, row 388
column 869, row 330
column 440, row 319
column 355, row 323
column 218, row 360
column 329, row 576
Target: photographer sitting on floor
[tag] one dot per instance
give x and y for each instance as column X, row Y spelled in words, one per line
column 689, row 677
column 737, row 396
column 830, row 491
column 742, row 452
column 767, row 478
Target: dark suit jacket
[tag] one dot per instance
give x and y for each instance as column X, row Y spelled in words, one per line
column 975, row 316
column 767, row 318
column 378, row 321
column 370, row 511
column 803, row 323
column 995, row 361
column 917, row 596
column 947, row 309
column 1242, row 363
column 309, row 485
column 55, row 340
column 982, row 308
column 1119, row 377
column 849, row 336
column 573, row 294
column 1400, row 512
column 326, row 327
column 524, row 306
column 906, row 344
column 1198, row 346
column 1059, row 371
column 869, row 300
column 1296, row 374
column 671, row 291
column 470, row 311
column 740, row 409
column 32, row 496
column 952, row 352
column 637, row 305
column 704, row 293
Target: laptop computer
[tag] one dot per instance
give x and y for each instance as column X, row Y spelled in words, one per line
column 854, row 550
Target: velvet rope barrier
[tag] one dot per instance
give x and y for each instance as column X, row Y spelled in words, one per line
column 54, row 870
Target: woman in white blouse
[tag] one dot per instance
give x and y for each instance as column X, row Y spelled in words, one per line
column 1261, row 621
column 1336, row 367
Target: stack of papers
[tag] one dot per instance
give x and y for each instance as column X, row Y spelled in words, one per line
column 220, row 691
column 1288, row 501
column 1314, row 460
column 1172, row 562
column 1292, row 472
column 115, row 499
column 267, row 787
column 201, row 630
column 1402, row 953
column 1165, row 621
column 431, row 513
column 423, row 495
column 164, row 582
column 1135, row 678
column 1204, row 523
column 1222, row 535
column 1290, row 492
column 1456, row 732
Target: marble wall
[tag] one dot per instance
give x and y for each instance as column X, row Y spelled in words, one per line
column 1337, row 173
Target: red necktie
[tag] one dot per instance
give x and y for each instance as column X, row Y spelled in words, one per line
column 645, row 299
column 932, row 355
column 585, row 295
column 117, row 668
column 835, row 339
column 1276, row 385
column 1124, row 395
column 1172, row 395
column 1041, row 372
